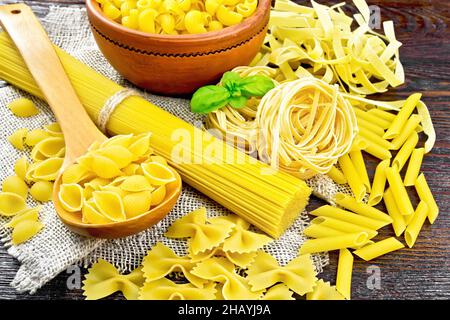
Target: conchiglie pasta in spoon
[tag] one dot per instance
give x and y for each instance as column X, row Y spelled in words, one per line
column 106, row 188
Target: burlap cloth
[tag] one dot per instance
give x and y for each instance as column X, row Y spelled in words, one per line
column 55, row 248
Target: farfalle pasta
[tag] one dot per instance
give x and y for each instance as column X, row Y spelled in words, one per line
column 278, row 292
column 299, row 274
column 220, row 270
column 104, row 279
column 164, row 289
column 242, row 240
column 161, row 261
column 173, row 17
column 324, row 291
column 242, row 260
column 115, row 181
column 203, row 236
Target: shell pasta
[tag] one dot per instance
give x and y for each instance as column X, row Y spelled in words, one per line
column 115, row 181
column 174, row 17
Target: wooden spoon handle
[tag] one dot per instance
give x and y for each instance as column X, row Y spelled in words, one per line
column 44, row 64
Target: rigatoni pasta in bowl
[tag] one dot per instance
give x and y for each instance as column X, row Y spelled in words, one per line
column 118, row 187
column 174, row 47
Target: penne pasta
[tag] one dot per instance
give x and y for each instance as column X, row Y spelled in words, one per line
column 405, row 152
column 343, row 215
column 378, row 249
column 334, row 243
column 382, row 142
column 376, row 150
column 358, row 162
column 379, row 183
column 415, row 162
column 315, row 230
column 353, row 179
column 336, row 175
column 363, row 209
column 372, row 118
column 371, row 126
column 358, row 144
column 387, row 116
column 399, row 191
column 344, row 273
column 398, row 220
column 344, row 227
column 406, row 132
column 405, row 112
column 415, row 225
column 424, row 192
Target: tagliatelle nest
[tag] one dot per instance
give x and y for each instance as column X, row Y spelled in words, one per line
column 305, row 127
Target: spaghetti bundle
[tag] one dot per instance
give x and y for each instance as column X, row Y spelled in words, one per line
column 305, row 127
column 232, row 178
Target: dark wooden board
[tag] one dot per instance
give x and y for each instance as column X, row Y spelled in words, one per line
column 419, row 273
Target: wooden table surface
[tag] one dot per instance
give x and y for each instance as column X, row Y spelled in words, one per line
column 419, row 273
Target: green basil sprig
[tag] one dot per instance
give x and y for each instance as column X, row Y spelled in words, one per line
column 233, row 91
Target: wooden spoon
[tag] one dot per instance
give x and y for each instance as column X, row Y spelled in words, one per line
column 79, row 131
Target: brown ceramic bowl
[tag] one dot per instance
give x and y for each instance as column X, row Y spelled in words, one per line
column 177, row 64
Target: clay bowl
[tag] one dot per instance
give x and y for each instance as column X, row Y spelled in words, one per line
column 124, row 228
column 177, row 64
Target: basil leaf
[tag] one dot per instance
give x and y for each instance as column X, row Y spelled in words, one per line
column 237, row 102
column 230, row 76
column 256, row 86
column 209, row 98
column 231, row 80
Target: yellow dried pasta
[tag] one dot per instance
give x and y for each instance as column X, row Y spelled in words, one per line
column 16, row 185
column 71, row 197
column 35, row 136
column 278, row 292
column 202, row 236
column 23, row 108
column 174, row 17
column 321, row 41
column 17, row 138
column 25, row 230
column 242, row 240
column 42, row 191
column 11, row 204
column 50, row 147
column 299, row 274
column 222, row 271
column 324, row 291
column 161, row 261
column 21, row 167
column 305, row 127
column 164, row 289
column 242, row 260
column 103, row 279
column 109, row 183
column 29, row 214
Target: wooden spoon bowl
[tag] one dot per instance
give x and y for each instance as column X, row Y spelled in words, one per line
column 123, row 228
column 79, row 131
